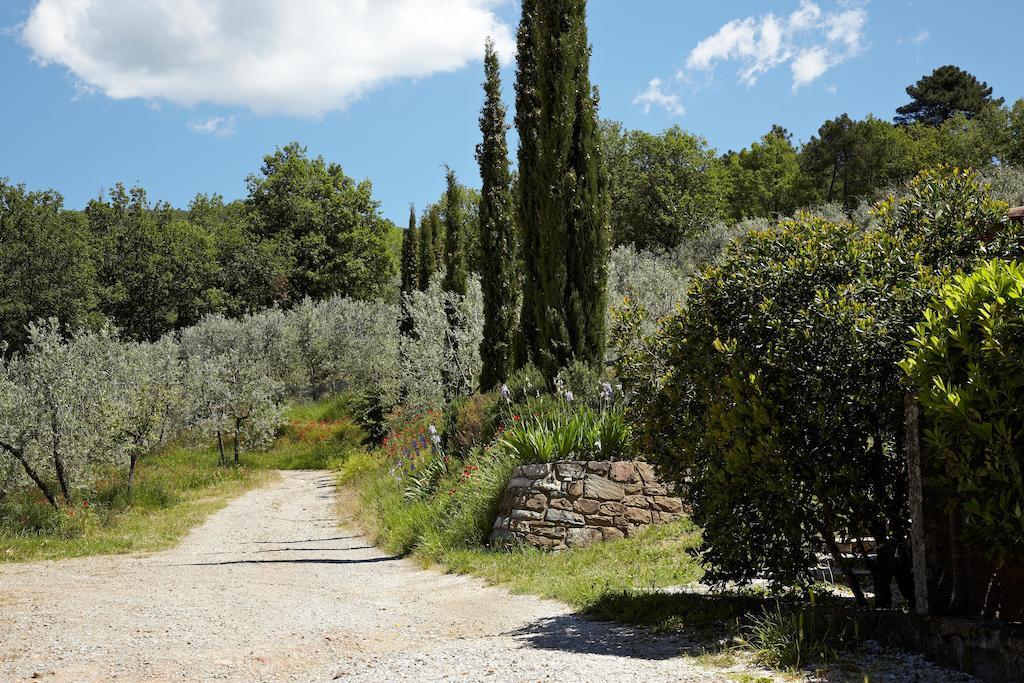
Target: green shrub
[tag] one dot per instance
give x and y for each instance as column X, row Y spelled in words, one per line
column 470, row 421
column 526, row 382
column 967, row 366
column 574, row 434
column 775, row 396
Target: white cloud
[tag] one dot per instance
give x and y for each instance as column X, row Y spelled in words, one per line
column 810, row 40
column 221, row 126
column 301, row 58
column 654, row 95
column 920, row 37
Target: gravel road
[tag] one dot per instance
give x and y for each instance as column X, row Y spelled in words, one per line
column 270, row 589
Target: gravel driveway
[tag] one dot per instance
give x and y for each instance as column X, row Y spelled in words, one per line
column 270, row 589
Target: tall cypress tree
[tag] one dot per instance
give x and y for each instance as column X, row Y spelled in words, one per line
column 497, row 238
column 425, row 261
column 455, row 243
column 563, row 205
column 410, row 270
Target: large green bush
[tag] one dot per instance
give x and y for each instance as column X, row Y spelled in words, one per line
column 966, row 363
column 775, row 396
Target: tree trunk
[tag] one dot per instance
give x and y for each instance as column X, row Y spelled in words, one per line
column 19, row 455
column 220, row 447
column 62, row 477
column 131, row 473
column 238, row 429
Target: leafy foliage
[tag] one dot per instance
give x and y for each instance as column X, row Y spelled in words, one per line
column 946, row 91
column 664, row 188
column 775, row 394
column 966, row 367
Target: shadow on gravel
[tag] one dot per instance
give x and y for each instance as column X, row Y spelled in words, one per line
column 369, row 560
column 309, row 540
column 570, row 633
column 310, row 550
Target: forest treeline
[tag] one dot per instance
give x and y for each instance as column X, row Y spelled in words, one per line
column 306, row 229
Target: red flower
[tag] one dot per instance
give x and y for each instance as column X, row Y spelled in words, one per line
column 85, row 503
column 515, row 418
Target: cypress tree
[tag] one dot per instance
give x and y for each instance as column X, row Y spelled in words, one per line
column 497, row 239
column 455, row 248
column 563, row 209
column 425, row 261
column 410, row 269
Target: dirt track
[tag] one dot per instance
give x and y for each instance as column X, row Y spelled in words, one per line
column 270, row 589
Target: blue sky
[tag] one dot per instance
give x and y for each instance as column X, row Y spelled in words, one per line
column 186, row 96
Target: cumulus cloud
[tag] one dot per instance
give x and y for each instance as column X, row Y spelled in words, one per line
column 655, row 95
column 221, row 126
column 300, row 58
column 810, row 40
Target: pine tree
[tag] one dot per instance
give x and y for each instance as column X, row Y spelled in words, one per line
column 426, row 260
column 497, row 238
column 563, row 206
column 410, row 269
column 454, row 248
column 947, row 91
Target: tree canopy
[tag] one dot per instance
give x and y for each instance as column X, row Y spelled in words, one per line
column 946, row 91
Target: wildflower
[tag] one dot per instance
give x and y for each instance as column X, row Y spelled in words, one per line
column 606, row 391
column 515, row 418
column 85, row 503
column 432, row 429
column 559, row 384
column 505, row 391
column 569, row 396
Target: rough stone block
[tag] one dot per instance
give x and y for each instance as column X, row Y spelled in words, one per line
column 668, row 504
column 542, row 541
column 574, row 489
column 602, row 489
column 611, row 534
column 587, row 507
column 581, row 538
column 637, row 502
column 522, row 514
column 621, row 471
column 500, row 523
column 569, row 470
column 561, row 504
column 548, row 530
column 537, row 502
column 520, row 483
column 655, row 489
column 633, row 489
column 637, row 516
column 536, row 471
column 600, row 520
column 612, row 509
column 547, row 485
column 564, row 517
column 598, row 467
column 646, row 472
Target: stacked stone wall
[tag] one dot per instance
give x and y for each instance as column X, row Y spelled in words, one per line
column 572, row 504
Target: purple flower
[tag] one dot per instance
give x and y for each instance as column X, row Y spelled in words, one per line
column 505, row 391
column 569, row 396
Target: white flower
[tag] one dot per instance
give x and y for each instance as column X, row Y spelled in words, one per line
column 606, row 391
column 505, row 391
column 569, row 396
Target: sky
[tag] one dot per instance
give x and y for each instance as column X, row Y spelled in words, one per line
column 187, row 96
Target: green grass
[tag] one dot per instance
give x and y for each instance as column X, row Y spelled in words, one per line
column 317, row 436
column 175, row 490
column 448, row 529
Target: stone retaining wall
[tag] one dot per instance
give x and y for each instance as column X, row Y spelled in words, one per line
column 574, row 503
